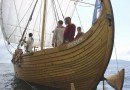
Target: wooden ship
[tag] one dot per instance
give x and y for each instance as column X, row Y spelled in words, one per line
column 81, row 63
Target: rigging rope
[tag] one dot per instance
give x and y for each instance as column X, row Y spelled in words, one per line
column 21, row 19
column 67, row 8
column 74, row 8
column 55, row 10
column 8, row 48
column 30, row 18
column 52, row 4
column 116, row 58
column 20, row 7
column 79, row 19
column 56, row 14
column 17, row 15
column 84, row 2
column 33, row 88
column 37, row 17
column 61, row 10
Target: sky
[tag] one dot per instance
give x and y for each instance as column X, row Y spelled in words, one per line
column 121, row 49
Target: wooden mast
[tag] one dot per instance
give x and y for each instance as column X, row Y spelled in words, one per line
column 43, row 25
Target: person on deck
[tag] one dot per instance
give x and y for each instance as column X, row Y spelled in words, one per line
column 29, row 43
column 80, row 33
column 69, row 30
column 57, row 39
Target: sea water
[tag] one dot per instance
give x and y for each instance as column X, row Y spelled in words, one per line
column 9, row 82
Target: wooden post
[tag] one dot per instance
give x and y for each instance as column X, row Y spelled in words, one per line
column 103, row 84
column 43, row 25
column 72, row 86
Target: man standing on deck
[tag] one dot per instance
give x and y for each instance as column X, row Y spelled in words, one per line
column 57, row 39
column 29, row 43
column 69, row 30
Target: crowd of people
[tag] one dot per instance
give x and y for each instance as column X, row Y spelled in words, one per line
column 66, row 34
column 61, row 35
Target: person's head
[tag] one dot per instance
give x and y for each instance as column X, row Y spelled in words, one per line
column 67, row 20
column 79, row 29
column 30, row 34
column 60, row 22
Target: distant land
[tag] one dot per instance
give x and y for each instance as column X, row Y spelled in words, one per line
column 119, row 61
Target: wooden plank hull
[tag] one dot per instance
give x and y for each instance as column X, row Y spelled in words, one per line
column 82, row 62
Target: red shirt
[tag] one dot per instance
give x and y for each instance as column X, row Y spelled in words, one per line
column 69, row 33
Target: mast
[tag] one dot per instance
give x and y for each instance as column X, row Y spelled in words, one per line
column 43, row 24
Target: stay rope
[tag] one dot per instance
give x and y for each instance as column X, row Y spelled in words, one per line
column 17, row 15
column 30, row 18
column 33, row 88
column 21, row 19
column 116, row 57
column 79, row 18
column 60, row 10
column 9, row 49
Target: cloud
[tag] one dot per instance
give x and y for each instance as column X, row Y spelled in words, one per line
column 128, row 52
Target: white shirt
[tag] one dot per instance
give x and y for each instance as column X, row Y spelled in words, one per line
column 29, row 44
column 58, row 35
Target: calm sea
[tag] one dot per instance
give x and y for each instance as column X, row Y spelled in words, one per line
column 9, row 82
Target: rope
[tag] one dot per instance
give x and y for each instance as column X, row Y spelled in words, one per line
column 74, row 8
column 84, row 2
column 85, row 6
column 21, row 19
column 116, row 58
column 4, row 34
column 60, row 10
column 28, row 22
column 9, row 50
column 20, row 7
column 67, row 8
column 52, row 4
column 79, row 19
column 116, row 61
column 17, row 26
column 33, row 88
column 17, row 15
column 55, row 21
column 55, row 10
column 37, row 16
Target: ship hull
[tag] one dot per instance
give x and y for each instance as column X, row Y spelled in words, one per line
column 82, row 62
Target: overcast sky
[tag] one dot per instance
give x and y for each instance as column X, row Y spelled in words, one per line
column 4, row 54
column 121, row 10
